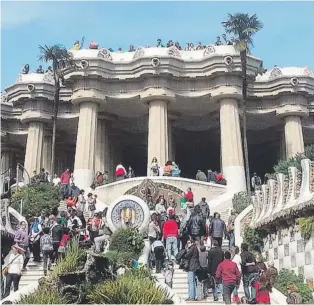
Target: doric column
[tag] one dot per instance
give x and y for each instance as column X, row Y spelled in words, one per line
column 102, row 157
column 157, row 132
column 46, row 156
column 231, row 145
column 34, row 148
column 85, row 144
column 293, row 136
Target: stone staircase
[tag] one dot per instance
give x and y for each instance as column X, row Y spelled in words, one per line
column 34, row 272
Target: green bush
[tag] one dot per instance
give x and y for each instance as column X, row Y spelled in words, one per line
column 127, row 240
column 140, row 273
column 240, row 201
column 128, row 290
column 43, row 295
column 306, row 225
column 120, row 258
column 71, row 261
column 288, row 277
column 254, row 238
column 283, row 165
column 37, row 198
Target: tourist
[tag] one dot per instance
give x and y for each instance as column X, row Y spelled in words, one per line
column 91, row 204
column 159, row 44
column 187, row 47
column 262, row 285
column 196, row 224
column 199, row 46
column 218, row 41
column 271, row 274
column 56, row 234
column 106, row 177
column 42, row 176
column 131, row 172
column 154, row 167
column 64, row 242
column 153, row 229
column 161, row 205
column 293, row 297
column 256, row 182
column 171, row 201
column 200, row 176
column 46, row 246
column 74, row 192
column 22, row 240
column 168, row 168
column 81, row 202
column 205, row 208
column 249, row 272
column 56, row 180
column 93, row 226
column 170, row 234
column 228, row 273
column 74, row 220
column 193, row 264
column 230, row 229
column 215, row 257
column 65, row 182
column 217, row 229
column 175, row 170
column 159, row 252
column 120, row 172
column 211, row 177
column 70, row 203
column 43, row 219
column 40, row 69
column 201, row 274
column 168, row 273
column 177, row 45
column 131, row 48
column 12, row 269
column 99, row 179
column 63, row 218
column 104, row 234
column 34, row 237
column 169, row 44
column 25, row 69
column 189, row 196
column 236, row 258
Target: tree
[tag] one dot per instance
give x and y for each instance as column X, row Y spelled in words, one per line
column 243, row 27
column 60, row 59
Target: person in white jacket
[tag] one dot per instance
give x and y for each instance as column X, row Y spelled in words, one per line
column 14, row 264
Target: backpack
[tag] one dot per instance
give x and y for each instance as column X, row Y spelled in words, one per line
column 46, row 242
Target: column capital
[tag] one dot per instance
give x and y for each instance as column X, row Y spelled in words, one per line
column 88, row 96
column 292, row 110
column 157, row 94
column 226, row 92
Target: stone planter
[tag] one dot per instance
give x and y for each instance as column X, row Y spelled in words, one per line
column 73, row 278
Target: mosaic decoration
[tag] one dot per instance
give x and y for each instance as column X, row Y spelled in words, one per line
column 174, row 51
column 105, row 54
column 210, row 50
column 139, row 53
column 275, row 72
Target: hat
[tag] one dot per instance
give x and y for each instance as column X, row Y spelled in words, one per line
column 17, row 247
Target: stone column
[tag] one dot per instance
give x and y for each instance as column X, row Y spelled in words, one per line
column 5, row 162
column 231, row 145
column 282, row 147
column 85, row 145
column 34, row 148
column 157, row 132
column 102, row 157
column 46, row 156
column 170, row 142
column 293, row 136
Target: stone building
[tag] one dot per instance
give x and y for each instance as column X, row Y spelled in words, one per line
column 158, row 102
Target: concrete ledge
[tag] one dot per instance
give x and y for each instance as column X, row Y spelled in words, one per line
column 16, row 296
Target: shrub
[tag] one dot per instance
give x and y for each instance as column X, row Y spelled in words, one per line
column 43, row 295
column 140, row 273
column 37, row 198
column 306, row 225
column 287, row 277
column 71, row 261
column 120, row 258
column 240, row 201
column 127, row 240
column 128, row 290
column 254, row 238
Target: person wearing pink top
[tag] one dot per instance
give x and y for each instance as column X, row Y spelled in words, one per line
column 65, row 183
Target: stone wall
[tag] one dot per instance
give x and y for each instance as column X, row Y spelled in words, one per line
column 288, row 249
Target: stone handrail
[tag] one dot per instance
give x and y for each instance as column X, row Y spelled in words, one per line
column 285, row 195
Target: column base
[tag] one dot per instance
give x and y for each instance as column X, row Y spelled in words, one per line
column 235, row 176
column 83, row 178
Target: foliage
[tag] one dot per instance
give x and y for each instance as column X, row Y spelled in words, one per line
column 128, row 290
column 283, row 165
column 127, row 240
column 43, row 295
column 306, row 225
column 71, row 261
column 140, row 273
column 44, row 196
column 240, row 201
column 288, row 277
column 254, row 238
column 120, row 258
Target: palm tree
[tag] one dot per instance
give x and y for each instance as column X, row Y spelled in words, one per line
column 60, row 59
column 243, row 27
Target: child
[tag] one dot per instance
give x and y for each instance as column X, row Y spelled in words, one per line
column 64, row 242
column 46, row 247
column 70, row 202
column 169, row 274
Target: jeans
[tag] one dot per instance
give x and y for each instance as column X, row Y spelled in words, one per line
column 171, row 246
column 159, row 258
column 217, row 288
column 201, row 289
column 27, row 255
column 227, row 291
column 192, row 285
column 11, row 277
column 248, row 280
column 231, row 239
column 47, row 254
column 36, row 250
column 55, row 251
column 65, row 190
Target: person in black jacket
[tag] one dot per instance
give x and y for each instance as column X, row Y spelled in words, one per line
column 56, row 233
column 215, row 257
column 196, row 224
column 217, row 229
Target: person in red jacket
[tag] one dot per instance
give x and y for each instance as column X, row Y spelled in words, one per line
column 170, row 234
column 189, row 196
column 229, row 274
column 65, row 183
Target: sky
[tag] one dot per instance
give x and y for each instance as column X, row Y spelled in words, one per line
column 287, row 38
